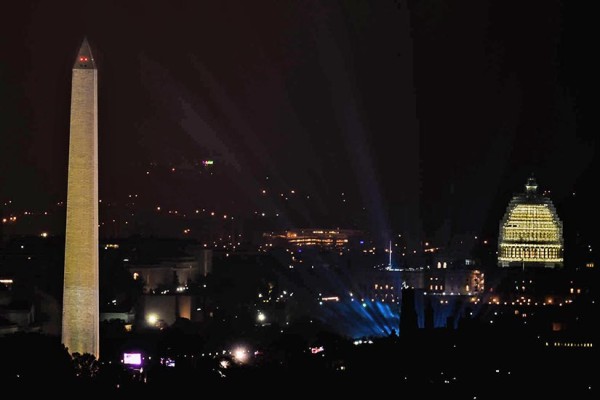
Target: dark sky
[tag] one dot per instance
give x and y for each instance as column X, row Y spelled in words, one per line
column 386, row 114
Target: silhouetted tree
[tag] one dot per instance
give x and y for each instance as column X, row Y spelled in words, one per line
column 86, row 365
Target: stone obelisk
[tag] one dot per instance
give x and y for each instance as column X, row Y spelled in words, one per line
column 80, row 317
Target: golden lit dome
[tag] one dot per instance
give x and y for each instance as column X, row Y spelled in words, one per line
column 530, row 232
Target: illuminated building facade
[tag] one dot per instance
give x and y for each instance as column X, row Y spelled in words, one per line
column 170, row 275
column 386, row 292
column 81, row 316
column 458, row 282
column 531, row 234
column 162, row 311
column 322, row 238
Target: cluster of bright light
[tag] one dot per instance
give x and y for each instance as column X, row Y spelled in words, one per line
column 381, row 287
column 524, row 301
column 324, row 238
column 168, row 362
column 240, row 354
column 447, row 294
column 308, row 241
column 152, row 319
column 569, row 344
column 528, row 252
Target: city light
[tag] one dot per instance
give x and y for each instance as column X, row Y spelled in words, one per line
column 240, row 354
column 419, row 119
column 152, row 319
column 261, row 317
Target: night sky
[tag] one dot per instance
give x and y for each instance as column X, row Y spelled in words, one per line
column 384, row 115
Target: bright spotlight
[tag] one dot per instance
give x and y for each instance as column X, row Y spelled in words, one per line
column 152, row 319
column 240, row 354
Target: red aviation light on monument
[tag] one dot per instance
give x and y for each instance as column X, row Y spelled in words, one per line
column 85, row 58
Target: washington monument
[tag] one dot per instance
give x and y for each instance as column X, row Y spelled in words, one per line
column 80, row 317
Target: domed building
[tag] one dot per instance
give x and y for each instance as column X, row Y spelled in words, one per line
column 531, row 234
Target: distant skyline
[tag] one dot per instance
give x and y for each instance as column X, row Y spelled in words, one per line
column 347, row 104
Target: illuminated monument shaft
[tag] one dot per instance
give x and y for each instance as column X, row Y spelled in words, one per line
column 80, row 319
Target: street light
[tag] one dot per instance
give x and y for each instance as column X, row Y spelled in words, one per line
column 261, row 317
column 152, row 319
